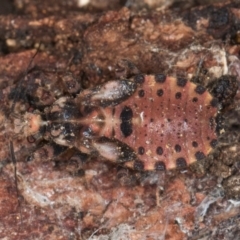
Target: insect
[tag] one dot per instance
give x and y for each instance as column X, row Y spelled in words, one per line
column 148, row 122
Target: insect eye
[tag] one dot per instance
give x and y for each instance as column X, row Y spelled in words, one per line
column 31, row 139
column 29, row 158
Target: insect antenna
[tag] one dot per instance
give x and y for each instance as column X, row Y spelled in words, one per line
column 19, row 84
column 14, row 161
column 11, row 147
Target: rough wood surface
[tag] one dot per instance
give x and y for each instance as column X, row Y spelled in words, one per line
column 93, row 44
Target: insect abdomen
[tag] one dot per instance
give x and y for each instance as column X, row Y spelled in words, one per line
column 168, row 122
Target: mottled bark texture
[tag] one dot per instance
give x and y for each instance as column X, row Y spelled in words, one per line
column 93, row 43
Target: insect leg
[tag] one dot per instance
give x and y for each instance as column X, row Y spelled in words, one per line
column 126, row 69
column 15, row 176
column 61, row 155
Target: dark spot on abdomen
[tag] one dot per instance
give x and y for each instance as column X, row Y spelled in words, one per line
column 200, row 89
column 138, row 165
column 159, row 151
column 214, row 143
column 126, row 128
column 181, row 163
column 181, row 82
column 139, row 78
column 141, row 150
column 214, row 102
column 194, row 144
column 195, row 99
column 126, row 114
column 160, row 78
column 160, row 92
column 178, row 95
column 126, row 124
column 199, row 155
column 160, row 166
column 178, row 148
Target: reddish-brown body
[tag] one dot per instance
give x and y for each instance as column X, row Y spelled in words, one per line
column 150, row 122
column 172, row 122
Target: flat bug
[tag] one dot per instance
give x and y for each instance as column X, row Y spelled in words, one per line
column 149, row 122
